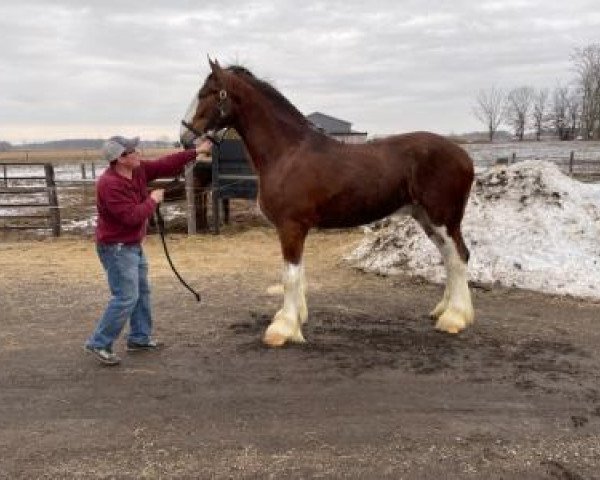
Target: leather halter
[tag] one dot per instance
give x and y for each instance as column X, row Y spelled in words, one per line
column 211, row 137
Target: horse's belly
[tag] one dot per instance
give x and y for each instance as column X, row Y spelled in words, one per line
column 355, row 216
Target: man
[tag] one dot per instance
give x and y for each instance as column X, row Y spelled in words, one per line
column 124, row 207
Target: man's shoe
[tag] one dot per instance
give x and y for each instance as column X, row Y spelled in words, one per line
column 103, row 355
column 151, row 346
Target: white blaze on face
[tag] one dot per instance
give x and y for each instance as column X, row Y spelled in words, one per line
column 184, row 133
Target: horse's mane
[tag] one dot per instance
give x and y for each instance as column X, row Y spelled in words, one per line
column 268, row 90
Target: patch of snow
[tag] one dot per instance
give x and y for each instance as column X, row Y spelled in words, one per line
column 86, row 226
column 526, row 225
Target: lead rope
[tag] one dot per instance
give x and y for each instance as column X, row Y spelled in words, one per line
column 160, row 222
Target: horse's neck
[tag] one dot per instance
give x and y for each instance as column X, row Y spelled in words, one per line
column 267, row 132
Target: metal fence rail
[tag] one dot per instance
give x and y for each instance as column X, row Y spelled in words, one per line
column 571, row 165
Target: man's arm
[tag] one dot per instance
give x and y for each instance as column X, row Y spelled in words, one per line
column 172, row 165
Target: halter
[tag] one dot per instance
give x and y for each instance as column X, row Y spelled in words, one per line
column 210, row 136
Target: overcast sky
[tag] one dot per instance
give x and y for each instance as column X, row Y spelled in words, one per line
column 75, row 68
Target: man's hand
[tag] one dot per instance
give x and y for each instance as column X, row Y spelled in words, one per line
column 158, row 195
column 204, row 149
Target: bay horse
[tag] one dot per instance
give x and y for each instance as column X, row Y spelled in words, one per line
column 307, row 179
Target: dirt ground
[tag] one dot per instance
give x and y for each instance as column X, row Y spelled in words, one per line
column 375, row 392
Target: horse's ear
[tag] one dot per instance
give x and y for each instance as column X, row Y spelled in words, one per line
column 216, row 69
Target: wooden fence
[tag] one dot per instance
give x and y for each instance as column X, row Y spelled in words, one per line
column 29, row 197
column 34, row 193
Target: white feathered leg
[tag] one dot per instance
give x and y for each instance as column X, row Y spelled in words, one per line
column 286, row 324
column 455, row 311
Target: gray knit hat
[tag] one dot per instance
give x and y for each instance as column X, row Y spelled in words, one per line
column 114, row 147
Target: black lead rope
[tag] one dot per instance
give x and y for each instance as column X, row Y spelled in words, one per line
column 160, row 222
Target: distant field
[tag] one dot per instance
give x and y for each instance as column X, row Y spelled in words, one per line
column 486, row 154
column 483, row 154
column 58, row 157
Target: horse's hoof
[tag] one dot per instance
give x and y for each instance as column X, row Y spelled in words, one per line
column 469, row 317
column 282, row 330
column 437, row 311
column 297, row 337
column 274, row 339
column 451, row 321
column 439, row 308
column 303, row 315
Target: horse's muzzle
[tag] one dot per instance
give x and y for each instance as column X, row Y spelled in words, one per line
column 188, row 135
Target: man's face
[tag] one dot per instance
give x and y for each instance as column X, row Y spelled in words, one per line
column 130, row 160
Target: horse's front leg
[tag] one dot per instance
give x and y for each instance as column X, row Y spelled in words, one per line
column 287, row 322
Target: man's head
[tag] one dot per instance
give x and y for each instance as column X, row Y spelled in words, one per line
column 121, row 150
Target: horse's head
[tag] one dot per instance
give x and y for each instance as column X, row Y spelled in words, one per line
column 211, row 109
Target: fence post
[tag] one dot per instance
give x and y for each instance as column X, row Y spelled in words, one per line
column 190, row 199
column 514, row 158
column 571, row 162
column 5, row 176
column 52, row 199
column 93, row 171
column 83, row 186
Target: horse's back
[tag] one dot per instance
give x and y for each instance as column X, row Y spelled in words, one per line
column 401, row 151
column 417, row 168
column 410, row 160
column 347, row 185
column 427, row 147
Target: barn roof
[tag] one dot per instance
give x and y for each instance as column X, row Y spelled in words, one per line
column 328, row 123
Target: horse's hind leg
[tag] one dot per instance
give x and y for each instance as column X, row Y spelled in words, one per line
column 287, row 322
column 455, row 311
column 458, row 312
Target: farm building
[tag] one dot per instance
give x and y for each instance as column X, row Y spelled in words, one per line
column 334, row 127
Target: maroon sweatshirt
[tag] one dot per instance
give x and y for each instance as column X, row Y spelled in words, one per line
column 124, row 205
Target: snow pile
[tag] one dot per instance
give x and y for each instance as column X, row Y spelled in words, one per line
column 526, row 225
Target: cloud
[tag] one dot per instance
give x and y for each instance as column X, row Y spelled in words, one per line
column 386, row 66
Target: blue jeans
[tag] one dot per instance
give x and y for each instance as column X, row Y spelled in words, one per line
column 127, row 272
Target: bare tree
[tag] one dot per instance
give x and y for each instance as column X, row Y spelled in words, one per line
column 489, row 108
column 560, row 111
column 519, row 102
column 587, row 66
column 538, row 115
column 574, row 116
